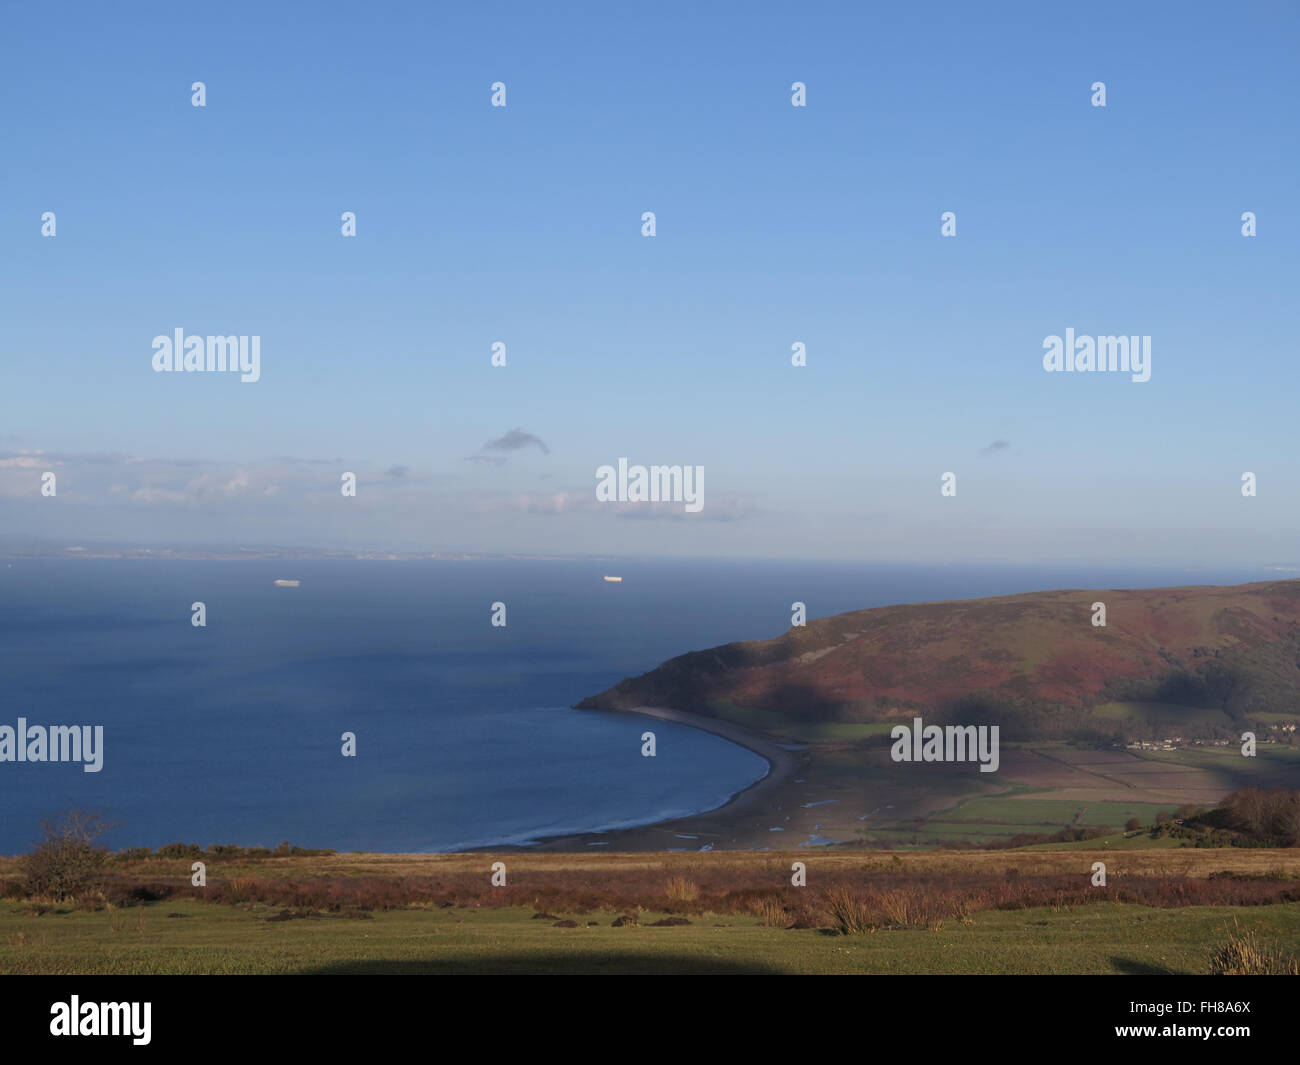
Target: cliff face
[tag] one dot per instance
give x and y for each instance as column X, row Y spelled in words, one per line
column 1233, row 648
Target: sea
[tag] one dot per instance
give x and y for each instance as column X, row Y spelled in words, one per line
column 464, row 736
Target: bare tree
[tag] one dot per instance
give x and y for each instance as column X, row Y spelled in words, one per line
column 67, row 861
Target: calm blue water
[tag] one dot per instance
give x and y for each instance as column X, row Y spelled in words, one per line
column 230, row 733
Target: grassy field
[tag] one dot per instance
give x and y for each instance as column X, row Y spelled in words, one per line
column 1274, row 766
column 1020, row 811
column 194, row 937
column 450, row 920
column 987, row 818
column 1136, row 841
column 1040, row 788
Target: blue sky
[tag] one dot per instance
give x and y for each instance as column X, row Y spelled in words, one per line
column 775, row 224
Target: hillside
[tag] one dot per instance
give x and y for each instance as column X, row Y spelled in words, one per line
column 1034, row 663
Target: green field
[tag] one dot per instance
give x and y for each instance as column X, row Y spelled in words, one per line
column 1163, row 715
column 1273, row 765
column 1000, row 817
column 1121, row 841
column 1098, row 938
column 1054, row 812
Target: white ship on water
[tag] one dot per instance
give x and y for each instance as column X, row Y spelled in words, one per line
column 287, row 584
column 613, row 580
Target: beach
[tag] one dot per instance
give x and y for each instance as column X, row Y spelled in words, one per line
column 745, row 822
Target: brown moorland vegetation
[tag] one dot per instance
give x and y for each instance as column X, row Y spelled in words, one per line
column 853, row 893
column 1032, row 663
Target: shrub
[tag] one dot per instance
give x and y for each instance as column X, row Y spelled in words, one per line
column 180, row 850
column 770, row 913
column 1244, row 955
column 682, row 890
column 133, row 854
column 849, row 913
column 66, row 863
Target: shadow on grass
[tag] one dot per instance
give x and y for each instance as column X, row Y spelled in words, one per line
column 548, row 962
column 1133, row 967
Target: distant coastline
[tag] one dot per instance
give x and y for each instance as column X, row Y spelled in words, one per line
column 779, row 761
column 16, row 548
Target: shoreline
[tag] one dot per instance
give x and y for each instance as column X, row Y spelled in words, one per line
column 780, row 762
column 706, row 826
